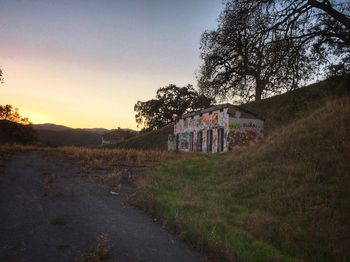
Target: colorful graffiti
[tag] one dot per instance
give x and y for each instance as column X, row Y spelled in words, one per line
column 235, row 125
column 223, row 119
column 204, row 141
column 215, row 140
column 214, row 119
column 243, row 137
column 206, row 119
column 171, row 142
column 252, row 124
column 238, row 129
column 184, row 141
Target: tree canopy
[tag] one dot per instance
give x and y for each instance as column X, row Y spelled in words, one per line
column 170, row 101
column 266, row 47
column 8, row 113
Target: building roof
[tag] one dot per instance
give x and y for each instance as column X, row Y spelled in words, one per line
column 218, row 107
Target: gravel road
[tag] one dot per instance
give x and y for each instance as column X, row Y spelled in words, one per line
column 51, row 211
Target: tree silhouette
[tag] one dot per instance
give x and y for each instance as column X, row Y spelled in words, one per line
column 8, row 113
column 265, row 47
column 170, row 101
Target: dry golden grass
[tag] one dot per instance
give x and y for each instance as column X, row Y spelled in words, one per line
column 106, row 158
column 113, row 179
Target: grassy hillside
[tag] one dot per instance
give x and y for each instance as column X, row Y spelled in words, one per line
column 281, row 109
column 286, row 199
column 157, row 139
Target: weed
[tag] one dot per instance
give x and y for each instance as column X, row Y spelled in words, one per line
column 58, row 221
column 49, row 178
column 52, row 191
column 113, row 179
column 102, row 250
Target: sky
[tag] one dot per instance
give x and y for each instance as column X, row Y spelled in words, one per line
column 86, row 63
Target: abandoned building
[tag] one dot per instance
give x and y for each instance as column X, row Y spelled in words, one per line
column 219, row 128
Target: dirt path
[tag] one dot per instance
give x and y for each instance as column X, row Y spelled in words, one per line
column 50, row 212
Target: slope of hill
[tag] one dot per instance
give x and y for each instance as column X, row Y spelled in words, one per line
column 98, row 130
column 281, row 109
column 54, row 127
column 287, row 199
column 72, row 137
column 51, row 127
column 59, row 135
column 157, row 139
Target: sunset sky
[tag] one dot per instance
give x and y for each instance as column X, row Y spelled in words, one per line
column 86, row 63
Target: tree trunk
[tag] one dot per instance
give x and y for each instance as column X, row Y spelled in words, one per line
column 328, row 8
column 258, row 90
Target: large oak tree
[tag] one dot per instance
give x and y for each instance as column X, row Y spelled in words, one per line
column 170, row 101
column 263, row 47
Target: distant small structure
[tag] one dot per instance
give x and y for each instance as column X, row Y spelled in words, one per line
column 105, row 142
column 219, row 128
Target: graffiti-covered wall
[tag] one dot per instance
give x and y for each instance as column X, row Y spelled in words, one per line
column 244, row 132
column 217, row 130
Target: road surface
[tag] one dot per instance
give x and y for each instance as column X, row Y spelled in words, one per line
column 50, row 210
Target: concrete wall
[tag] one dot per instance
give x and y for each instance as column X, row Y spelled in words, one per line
column 240, row 128
column 244, row 132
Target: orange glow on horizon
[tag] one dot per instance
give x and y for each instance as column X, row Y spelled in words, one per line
column 48, row 92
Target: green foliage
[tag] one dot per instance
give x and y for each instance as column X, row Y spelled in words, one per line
column 170, row 101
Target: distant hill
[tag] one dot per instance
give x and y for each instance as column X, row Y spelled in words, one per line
column 100, row 131
column 59, row 135
column 51, row 127
column 54, row 127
